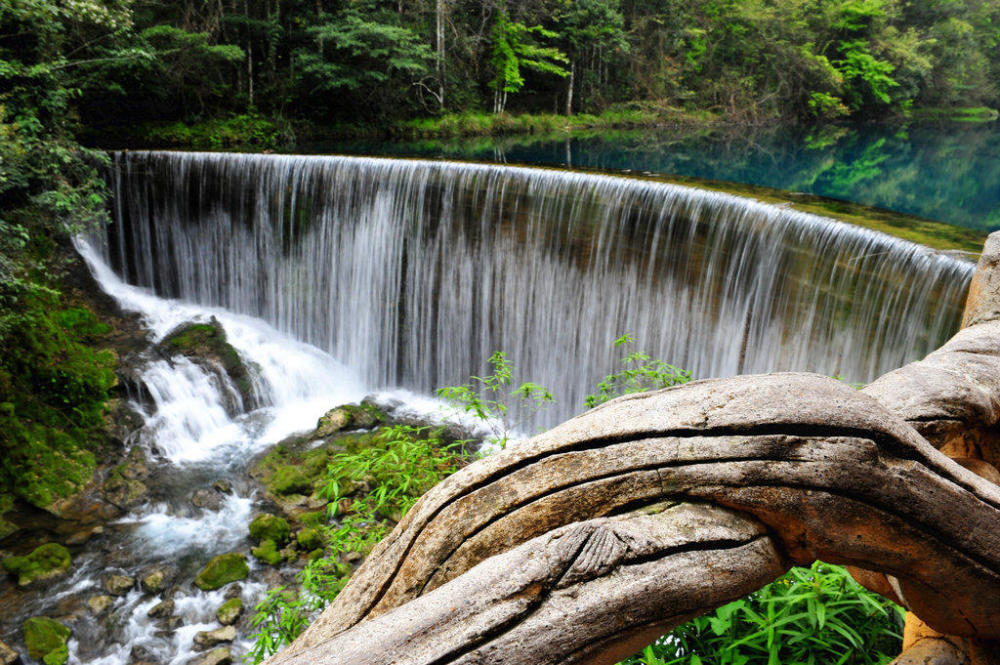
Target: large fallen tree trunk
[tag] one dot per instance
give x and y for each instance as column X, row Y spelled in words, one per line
column 585, row 543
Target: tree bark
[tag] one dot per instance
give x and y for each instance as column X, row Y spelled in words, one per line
column 586, row 542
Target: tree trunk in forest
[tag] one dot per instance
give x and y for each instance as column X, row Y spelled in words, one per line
column 587, row 542
column 569, row 88
column 439, row 36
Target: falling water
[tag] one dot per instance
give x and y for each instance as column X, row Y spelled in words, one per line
column 413, row 272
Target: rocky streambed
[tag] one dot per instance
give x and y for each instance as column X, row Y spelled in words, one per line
column 212, row 494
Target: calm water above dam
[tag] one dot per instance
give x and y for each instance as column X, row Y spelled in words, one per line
column 949, row 172
column 413, row 273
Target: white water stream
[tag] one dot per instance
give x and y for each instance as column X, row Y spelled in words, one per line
column 190, row 440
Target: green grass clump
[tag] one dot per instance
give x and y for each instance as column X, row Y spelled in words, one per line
column 243, row 131
column 473, row 123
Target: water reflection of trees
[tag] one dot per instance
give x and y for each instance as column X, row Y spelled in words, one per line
column 946, row 172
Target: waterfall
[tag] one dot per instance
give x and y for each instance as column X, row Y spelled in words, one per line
column 412, row 272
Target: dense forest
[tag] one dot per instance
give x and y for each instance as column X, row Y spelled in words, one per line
column 120, row 62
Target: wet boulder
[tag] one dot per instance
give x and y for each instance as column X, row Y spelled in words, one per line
column 7, row 655
column 161, row 610
column 47, row 640
column 221, row 570
column 210, row 638
column 124, row 487
column 206, row 499
column 348, row 417
column 46, row 564
column 206, row 345
column 270, row 527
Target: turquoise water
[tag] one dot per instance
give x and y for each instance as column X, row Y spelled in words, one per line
column 948, row 172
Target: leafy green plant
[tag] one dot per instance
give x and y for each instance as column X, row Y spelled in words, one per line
column 367, row 490
column 639, row 372
column 810, row 616
column 492, row 400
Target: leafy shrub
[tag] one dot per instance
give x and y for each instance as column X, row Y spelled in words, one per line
column 639, row 372
column 401, row 464
column 810, row 616
column 492, row 400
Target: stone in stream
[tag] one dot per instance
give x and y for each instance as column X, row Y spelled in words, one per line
column 98, row 604
column 46, row 563
column 7, row 655
column 154, row 581
column 229, row 611
column 118, row 585
column 47, row 640
column 206, row 498
column 161, row 610
column 223, row 486
column 217, row 656
column 221, row 570
column 205, row 344
column 211, row 638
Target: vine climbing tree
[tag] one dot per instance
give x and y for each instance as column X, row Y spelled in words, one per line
column 590, row 540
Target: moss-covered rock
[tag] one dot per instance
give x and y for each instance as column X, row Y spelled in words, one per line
column 309, row 538
column 47, row 563
column 118, row 585
column 270, row 527
column 313, row 519
column 268, row 552
column 210, row 638
column 290, row 480
column 124, row 487
column 206, row 345
column 217, row 656
column 98, row 604
column 47, row 640
column 155, row 581
column 222, row 570
column 347, row 417
column 229, row 611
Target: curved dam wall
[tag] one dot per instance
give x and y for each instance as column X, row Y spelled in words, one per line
column 414, row 272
